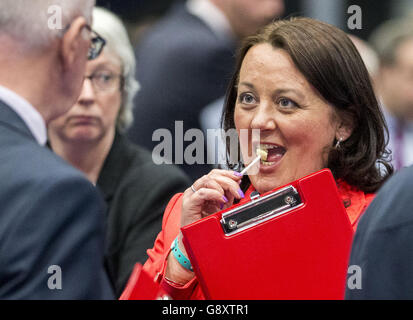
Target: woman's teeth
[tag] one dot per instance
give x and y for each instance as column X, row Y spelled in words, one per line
column 262, row 151
column 266, row 163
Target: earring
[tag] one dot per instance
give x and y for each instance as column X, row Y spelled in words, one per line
column 338, row 143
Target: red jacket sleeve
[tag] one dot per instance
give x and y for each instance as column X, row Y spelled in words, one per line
column 157, row 256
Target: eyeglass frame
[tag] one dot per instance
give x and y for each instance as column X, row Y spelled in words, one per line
column 97, row 42
column 97, row 89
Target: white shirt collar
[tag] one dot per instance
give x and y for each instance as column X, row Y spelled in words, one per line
column 27, row 113
column 211, row 16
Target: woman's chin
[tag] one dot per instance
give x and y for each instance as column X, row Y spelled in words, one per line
column 263, row 184
column 268, row 177
column 83, row 136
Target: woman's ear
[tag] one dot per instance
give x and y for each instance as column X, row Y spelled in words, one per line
column 344, row 130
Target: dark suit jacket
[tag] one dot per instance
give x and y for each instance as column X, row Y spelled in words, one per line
column 50, row 215
column 182, row 66
column 137, row 192
column 383, row 243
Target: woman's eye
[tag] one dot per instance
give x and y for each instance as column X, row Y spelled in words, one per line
column 246, row 98
column 105, row 77
column 286, row 103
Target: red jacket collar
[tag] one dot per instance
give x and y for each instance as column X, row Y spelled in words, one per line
column 355, row 201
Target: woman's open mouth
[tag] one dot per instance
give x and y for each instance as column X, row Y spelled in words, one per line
column 271, row 154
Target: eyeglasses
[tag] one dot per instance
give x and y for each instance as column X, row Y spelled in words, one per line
column 105, row 80
column 97, row 43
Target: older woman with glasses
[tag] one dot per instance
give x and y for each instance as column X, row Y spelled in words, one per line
column 90, row 137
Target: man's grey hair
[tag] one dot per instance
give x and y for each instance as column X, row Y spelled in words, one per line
column 35, row 23
column 387, row 38
column 111, row 28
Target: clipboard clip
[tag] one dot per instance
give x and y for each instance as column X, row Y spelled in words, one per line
column 260, row 209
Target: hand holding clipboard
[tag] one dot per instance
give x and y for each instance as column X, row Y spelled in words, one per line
column 298, row 250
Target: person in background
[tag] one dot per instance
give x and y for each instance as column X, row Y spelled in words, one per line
column 51, row 217
column 185, row 62
column 304, row 86
column 90, row 136
column 382, row 247
column 393, row 42
column 369, row 56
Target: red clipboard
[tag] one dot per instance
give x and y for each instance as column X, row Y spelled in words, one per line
column 141, row 286
column 300, row 252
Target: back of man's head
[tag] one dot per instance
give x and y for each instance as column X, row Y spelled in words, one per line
column 44, row 45
column 35, row 23
column 247, row 16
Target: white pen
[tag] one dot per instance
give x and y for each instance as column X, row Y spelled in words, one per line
column 250, row 165
column 262, row 155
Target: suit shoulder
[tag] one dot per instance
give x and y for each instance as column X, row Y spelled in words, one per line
column 37, row 165
column 392, row 206
column 177, row 23
column 180, row 35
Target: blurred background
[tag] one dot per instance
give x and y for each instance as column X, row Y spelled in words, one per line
column 185, row 53
column 139, row 14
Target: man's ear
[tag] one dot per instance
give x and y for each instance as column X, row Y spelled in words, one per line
column 74, row 43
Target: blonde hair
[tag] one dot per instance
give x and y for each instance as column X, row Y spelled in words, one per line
column 110, row 27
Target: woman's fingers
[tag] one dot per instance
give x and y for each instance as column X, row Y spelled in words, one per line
column 195, row 205
column 206, row 194
column 223, row 181
column 229, row 185
column 209, row 194
column 236, row 176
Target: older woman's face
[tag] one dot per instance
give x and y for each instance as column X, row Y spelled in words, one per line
column 95, row 113
column 296, row 125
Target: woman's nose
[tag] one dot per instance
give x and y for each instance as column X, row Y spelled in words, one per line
column 263, row 118
column 87, row 95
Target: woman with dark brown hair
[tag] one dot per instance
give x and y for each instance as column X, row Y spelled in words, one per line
column 303, row 85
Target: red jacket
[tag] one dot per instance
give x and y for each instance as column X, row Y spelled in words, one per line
column 354, row 200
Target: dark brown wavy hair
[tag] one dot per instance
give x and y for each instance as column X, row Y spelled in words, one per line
column 332, row 65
